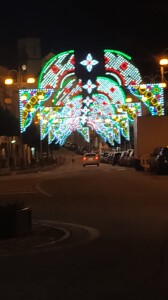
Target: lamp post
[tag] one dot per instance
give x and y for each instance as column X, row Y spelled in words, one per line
column 37, row 122
column 20, row 83
column 19, row 78
column 163, row 62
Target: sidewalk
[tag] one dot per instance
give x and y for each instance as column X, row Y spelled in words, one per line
column 40, row 167
column 8, row 171
column 64, row 157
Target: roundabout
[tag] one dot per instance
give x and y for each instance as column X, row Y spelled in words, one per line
column 47, row 235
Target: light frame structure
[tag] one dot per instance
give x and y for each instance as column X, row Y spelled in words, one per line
column 66, row 103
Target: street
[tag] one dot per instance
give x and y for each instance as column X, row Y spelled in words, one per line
column 118, row 222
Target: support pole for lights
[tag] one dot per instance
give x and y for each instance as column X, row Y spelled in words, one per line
column 163, row 62
column 41, row 148
column 19, row 82
column 162, row 73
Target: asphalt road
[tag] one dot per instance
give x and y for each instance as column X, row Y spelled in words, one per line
column 117, row 246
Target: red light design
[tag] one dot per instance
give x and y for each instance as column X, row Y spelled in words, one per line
column 66, row 90
column 55, row 69
column 112, row 89
column 133, row 82
column 48, row 86
column 106, row 60
column 72, row 60
column 124, row 66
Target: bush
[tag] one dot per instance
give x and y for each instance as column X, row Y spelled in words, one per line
column 15, row 220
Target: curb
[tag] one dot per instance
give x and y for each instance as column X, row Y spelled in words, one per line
column 19, row 172
column 42, row 237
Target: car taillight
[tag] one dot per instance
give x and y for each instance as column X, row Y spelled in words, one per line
column 84, row 158
column 97, row 157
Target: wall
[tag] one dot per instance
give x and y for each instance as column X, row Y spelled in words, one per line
column 150, row 132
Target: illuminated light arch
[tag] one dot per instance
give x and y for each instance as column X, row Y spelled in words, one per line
column 66, row 120
column 89, row 62
column 56, row 69
column 104, row 104
column 111, row 89
column 151, row 95
column 132, row 109
column 63, row 108
column 30, row 103
column 118, row 64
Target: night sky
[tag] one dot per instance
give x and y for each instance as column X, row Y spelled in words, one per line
column 137, row 28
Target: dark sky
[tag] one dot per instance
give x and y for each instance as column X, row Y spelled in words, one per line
column 138, row 28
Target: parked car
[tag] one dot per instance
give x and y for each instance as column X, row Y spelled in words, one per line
column 130, row 158
column 115, row 157
column 124, row 158
column 103, row 157
column 90, row 159
column 109, row 157
column 152, row 159
column 158, row 161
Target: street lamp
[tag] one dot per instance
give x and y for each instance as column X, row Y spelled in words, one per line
column 19, row 77
column 20, row 84
column 163, row 62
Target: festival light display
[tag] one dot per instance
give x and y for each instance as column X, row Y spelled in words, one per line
column 151, row 95
column 89, row 62
column 30, row 102
column 66, row 103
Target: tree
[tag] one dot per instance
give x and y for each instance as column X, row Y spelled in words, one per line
column 9, row 124
column 31, row 136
